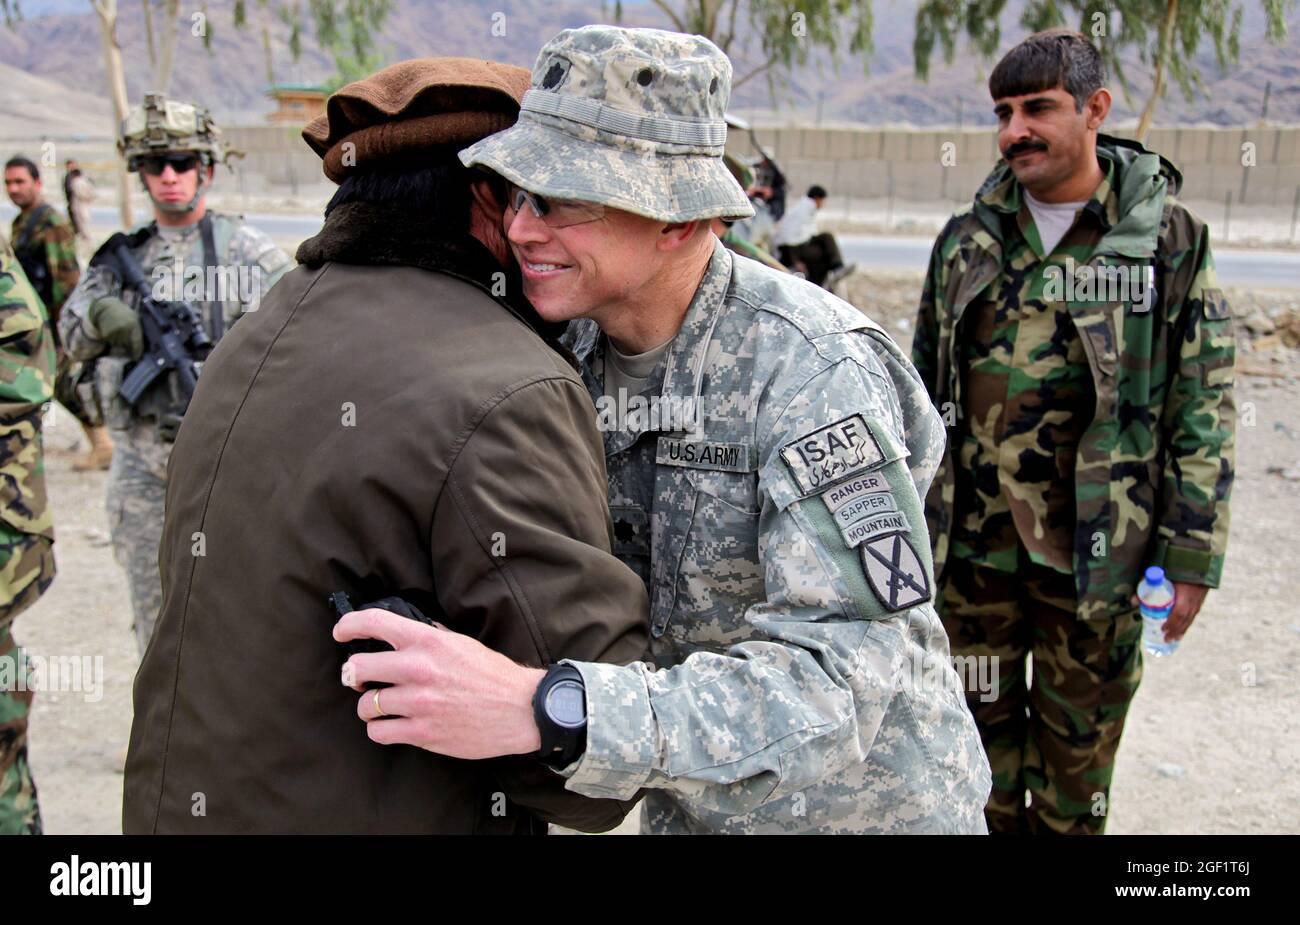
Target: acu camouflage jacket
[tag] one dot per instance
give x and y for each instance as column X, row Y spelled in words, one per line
column 1154, row 468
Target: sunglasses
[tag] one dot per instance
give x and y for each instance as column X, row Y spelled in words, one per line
column 154, row 166
column 556, row 213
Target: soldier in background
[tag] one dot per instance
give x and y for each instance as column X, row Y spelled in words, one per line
column 1091, row 433
column 725, row 228
column 46, row 246
column 26, row 529
column 175, row 147
column 78, row 193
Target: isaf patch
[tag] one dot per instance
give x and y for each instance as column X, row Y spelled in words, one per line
column 895, row 572
column 832, row 454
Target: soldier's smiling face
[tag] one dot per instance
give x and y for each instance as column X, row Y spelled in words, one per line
column 1044, row 136
column 585, row 270
column 22, row 189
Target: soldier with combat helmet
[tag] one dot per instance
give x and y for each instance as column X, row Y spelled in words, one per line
column 217, row 262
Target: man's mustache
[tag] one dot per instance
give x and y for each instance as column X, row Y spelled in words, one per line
column 1022, row 147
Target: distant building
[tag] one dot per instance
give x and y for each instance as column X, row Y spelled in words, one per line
column 298, row 103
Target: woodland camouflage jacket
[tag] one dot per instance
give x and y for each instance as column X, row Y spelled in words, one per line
column 1154, row 468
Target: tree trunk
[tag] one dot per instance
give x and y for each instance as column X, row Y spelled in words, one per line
column 1162, row 56
column 148, row 32
column 266, row 49
column 162, row 76
column 107, row 12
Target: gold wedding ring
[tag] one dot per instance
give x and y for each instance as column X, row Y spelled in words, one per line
column 379, row 711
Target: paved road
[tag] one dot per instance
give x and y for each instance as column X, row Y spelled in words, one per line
column 1272, row 269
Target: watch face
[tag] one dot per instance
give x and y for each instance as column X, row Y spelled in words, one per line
column 566, row 704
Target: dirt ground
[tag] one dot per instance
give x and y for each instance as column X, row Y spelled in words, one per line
column 1213, row 739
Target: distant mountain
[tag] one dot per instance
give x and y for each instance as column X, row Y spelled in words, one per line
column 59, row 42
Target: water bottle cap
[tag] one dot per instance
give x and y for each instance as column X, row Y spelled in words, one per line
column 1155, row 575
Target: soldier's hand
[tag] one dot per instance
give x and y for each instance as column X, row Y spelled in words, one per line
column 118, row 325
column 451, row 694
column 1188, row 599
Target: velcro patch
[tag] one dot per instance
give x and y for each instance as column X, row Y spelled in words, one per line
column 895, row 572
column 832, row 453
column 705, row 454
column 872, row 527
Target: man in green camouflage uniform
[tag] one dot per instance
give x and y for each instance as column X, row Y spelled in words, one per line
column 215, row 261
column 1074, row 336
column 26, row 529
column 46, row 246
column 767, row 449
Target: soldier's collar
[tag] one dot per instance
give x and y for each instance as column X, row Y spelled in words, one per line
column 1104, row 202
column 684, row 373
column 684, row 362
column 1008, row 195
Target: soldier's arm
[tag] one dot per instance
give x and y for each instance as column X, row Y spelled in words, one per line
column 1199, row 420
column 61, row 257
column 808, row 695
column 26, row 384
column 925, row 339
column 526, row 560
column 80, row 338
column 255, row 249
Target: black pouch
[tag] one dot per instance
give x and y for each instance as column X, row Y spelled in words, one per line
column 341, row 604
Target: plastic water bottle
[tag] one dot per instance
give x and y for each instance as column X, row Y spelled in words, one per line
column 1156, row 601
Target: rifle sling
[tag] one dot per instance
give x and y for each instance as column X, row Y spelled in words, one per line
column 215, row 310
column 29, row 229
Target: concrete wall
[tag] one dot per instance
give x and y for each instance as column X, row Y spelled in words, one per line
column 276, row 154
column 903, row 164
column 916, row 165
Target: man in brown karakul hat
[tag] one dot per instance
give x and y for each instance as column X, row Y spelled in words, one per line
column 394, row 421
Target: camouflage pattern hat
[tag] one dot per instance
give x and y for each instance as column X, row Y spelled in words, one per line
column 628, row 118
column 163, row 126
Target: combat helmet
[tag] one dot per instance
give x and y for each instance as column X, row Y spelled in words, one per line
column 164, row 126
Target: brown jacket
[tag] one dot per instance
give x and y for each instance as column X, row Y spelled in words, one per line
column 382, row 424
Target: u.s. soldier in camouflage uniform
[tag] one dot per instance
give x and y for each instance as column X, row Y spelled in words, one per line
column 183, row 251
column 46, row 245
column 26, row 529
column 765, row 485
column 1073, row 333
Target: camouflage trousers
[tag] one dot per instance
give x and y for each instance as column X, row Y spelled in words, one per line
column 137, row 485
column 26, row 570
column 1055, row 737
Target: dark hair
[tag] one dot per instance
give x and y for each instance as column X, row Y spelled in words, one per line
column 27, row 164
column 440, row 189
column 1047, row 60
column 816, row 192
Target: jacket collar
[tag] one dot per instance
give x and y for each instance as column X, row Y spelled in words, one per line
column 380, row 234
column 684, row 373
column 1128, row 204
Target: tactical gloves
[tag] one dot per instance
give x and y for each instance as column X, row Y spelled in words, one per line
column 118, row 324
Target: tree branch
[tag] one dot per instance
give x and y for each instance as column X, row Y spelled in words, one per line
column 735, row 84
column 672, row 15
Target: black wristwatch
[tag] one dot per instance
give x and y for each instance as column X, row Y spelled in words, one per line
column 560, row 708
